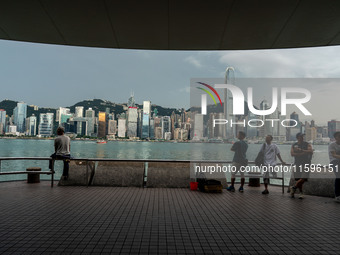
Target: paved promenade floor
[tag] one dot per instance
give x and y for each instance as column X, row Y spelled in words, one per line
column 37, row 219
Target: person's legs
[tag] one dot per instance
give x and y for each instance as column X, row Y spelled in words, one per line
column 51, row 161
column 301, row 188
column 299, row 184
column 293, row 188
column 231, row 187
column 242, row 178
column 240, row 189
column 66, row 167
column 242, row 181
column 232, row 181
column 234, row 170
column 265, row 182
column 335, row 164
column 337, row 187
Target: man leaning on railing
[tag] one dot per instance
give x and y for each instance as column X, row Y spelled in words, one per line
column 62, row 148
column 270, row 153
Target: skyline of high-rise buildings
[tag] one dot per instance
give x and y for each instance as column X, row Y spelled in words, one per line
column 137, row 122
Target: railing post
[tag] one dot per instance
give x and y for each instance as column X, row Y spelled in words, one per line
column 87, row 173
column 145, row 175
column 283, row 181
column 52, row 175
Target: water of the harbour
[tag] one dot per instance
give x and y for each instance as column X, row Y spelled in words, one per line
column 129, row 150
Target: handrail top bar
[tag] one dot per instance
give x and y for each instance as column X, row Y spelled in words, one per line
column 25, row 158
column 113, row 159
column 26, row 172
column 123, row 160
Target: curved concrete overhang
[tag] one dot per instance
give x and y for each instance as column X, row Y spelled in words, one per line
column 173, row 24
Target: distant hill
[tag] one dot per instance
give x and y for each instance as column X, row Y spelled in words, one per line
column 8, row 106
column 98, row 105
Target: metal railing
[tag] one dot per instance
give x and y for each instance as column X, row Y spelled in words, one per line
column 256, row 174
column 50, row 172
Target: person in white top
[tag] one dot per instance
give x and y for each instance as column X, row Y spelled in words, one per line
column 270, row 151
column 62, row 147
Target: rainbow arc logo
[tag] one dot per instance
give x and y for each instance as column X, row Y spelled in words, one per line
column 209, row 93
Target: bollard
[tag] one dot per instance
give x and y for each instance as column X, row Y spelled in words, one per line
column 33, row 178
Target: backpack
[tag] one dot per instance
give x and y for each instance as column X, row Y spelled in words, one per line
column 205, row 185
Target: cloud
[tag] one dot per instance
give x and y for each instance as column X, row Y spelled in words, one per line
column 194, row 61
column 322, row 62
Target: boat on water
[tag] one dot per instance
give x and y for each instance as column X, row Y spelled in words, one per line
column 215, row 140
column 101, row 141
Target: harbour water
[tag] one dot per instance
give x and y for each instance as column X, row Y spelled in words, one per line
column 129, row 150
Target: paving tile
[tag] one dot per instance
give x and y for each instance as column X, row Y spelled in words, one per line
column 111, row 220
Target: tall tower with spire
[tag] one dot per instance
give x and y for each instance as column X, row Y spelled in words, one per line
column 228, row 103
column 131, row 101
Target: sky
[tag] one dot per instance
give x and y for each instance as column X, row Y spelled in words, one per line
column 53, row 75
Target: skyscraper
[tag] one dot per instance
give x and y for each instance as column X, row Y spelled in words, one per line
column 90, row 116
column 79, row 125
column 132, row 122
column 166, row 125
column 146, row 119
column 111, row 130
column 79, row 111
column 121, row 127
column 219, row 130
column 102, row 125
column 152, row 129
column 210, row 127
column 46, row 124
column 294, row 116
column 89, row 113
column 31, row 126
column 131, row 101
column 311, row 134
column 333, row 126
column 60, row 112
column 20, row 114
column 251, row 132
column 228, row 103
column 64, row 118
column 2, row 121
column 198, row 127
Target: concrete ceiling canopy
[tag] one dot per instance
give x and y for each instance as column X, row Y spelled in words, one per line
column 173, row 24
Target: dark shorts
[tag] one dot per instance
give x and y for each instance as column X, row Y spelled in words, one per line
column 301, row 174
